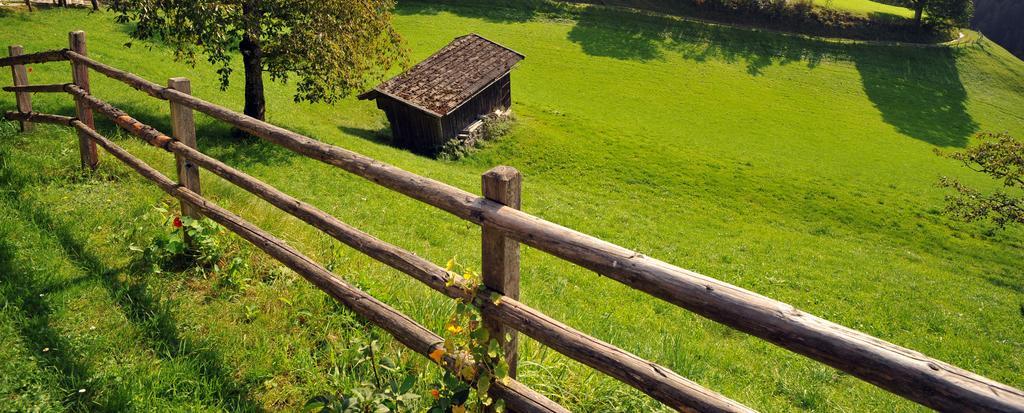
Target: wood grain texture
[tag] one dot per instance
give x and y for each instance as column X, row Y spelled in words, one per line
column 120, row 118
column 500, row 256
column 39, row 118
column 183, row 129
column 80, row 77
column 51, row 88
column 20, row 78
column 31, row 58
column 905, row 372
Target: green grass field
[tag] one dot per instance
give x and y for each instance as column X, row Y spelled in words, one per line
column 799, row 169
column 866, row 8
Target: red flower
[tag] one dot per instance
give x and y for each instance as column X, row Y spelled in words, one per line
column 177, row 222
column 30, row 70
column 435, row 394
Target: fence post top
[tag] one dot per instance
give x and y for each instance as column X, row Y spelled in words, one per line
column 181, row 84
column 502, row 173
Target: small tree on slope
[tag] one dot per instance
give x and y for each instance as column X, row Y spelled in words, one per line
column 1001, row 157
column 333, row 47
column 944, row 11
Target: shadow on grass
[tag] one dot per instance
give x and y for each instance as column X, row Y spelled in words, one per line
column 919, row 93
column 1007, row 281
column 917, row 90
column 630, row 35
column 150, row 315
column 26, row 296
column 215, row 138
column 381, row 136
column 510, row 12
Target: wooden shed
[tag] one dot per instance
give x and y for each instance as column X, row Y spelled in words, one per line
column 435, row 100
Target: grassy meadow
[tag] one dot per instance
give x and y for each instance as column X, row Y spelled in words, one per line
column 803, row 170
column 867, row 8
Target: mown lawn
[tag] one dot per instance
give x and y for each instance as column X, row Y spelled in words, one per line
column 799, row 169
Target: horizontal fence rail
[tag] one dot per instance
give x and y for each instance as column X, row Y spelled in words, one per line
column 655, row 380
column 899, row 370
column 405, row 330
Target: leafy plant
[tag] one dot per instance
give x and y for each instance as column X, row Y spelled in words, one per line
column 493, row 127
column 1001, row 157
column 390, row 391
column 478, row 356
column 185, row 243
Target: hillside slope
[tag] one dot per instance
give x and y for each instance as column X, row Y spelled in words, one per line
column 799, row 169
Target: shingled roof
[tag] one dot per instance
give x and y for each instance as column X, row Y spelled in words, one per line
column 450, row 77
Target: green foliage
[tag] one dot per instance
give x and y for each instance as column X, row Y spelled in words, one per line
column 333, row 47
column 942, row 12
column 390, row 390
column 205, row 246
column 1001, row 157
column 493, row 128
column 478, row 357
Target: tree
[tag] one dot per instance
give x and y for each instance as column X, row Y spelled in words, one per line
column 941, row 11
column 1001, row 157
column 333, row 47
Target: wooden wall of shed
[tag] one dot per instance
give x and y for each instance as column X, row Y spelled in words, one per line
column 497, row 96
column 412, row 128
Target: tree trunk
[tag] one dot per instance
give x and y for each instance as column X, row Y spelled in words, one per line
column 252, row 59
column 95, row 5
column 918, row 12
column 29, row 4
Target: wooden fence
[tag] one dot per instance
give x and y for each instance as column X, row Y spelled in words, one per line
column 901, row 371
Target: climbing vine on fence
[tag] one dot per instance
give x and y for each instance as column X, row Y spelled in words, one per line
column 478, row 357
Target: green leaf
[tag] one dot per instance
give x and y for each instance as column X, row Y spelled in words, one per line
column 493, row 349
column 483, row 383
column 410, row 380
column 460, row 397
column 501, row 370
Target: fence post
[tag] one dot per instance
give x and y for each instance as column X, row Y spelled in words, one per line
column 183, row 129
column 500, row 264
column 80, row 76
column 24, row 99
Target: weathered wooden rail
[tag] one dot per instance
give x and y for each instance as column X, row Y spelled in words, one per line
column 899, row 370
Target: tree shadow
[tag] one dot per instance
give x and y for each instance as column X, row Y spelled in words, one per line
column 632, row 35
column 917, row 90
column 511, row 12
column 213, row 137
column 129, row 290
column 625, row 42
column 25, row 296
